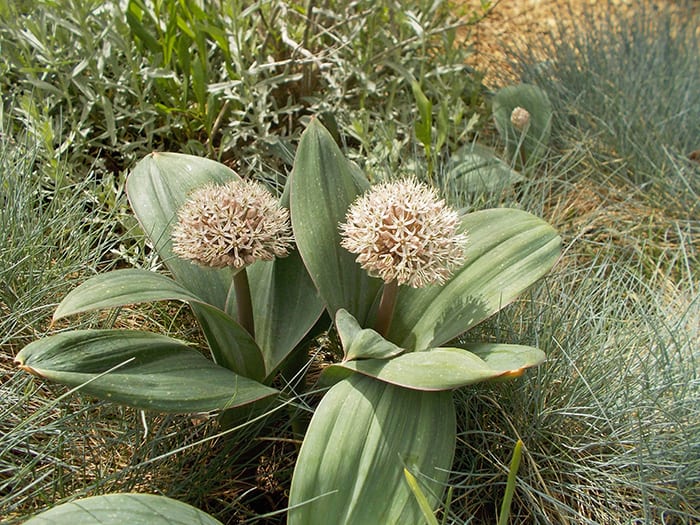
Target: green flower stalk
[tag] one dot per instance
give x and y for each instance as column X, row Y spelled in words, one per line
column 405, row 235
column 233, row 225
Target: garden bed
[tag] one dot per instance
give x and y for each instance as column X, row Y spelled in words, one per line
column 609, row 422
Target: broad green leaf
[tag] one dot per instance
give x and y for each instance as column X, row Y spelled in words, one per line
column 508, row 250
column 513, row 360
column 286, row 306
column 477, row 169
column 121, row 508
column 139, row 369
column 157, row 187
column 231, row 345
column 120, row 288
column 361, row 437
column 444, row 368
column 362, row 343
column 236, row 350
column 322, row 188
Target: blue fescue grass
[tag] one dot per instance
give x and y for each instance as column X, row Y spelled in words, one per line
column 611, row 422
column 624, row 86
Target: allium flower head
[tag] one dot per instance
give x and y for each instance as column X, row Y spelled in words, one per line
column 234, row 224
column 520, row 118
column 402, row 231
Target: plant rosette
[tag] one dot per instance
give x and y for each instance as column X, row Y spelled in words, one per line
column 254, row 307
column 401, row 274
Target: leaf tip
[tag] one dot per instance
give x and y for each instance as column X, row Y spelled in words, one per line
column 513, row 373
column 27, row 368
column 517, row 372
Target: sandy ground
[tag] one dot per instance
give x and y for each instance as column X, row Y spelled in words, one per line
column 526, row 22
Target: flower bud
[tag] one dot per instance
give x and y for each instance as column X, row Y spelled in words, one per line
column 520, row 118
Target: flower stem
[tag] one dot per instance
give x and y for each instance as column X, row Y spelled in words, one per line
column 386, row 307
column 244, row 305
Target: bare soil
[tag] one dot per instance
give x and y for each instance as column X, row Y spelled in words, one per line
column 528, row 22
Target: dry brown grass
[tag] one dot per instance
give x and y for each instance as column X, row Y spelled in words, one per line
column 524, row 23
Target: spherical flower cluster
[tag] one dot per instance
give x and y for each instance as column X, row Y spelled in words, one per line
column 234, row 224
column 520, row 118
column 402, row 231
